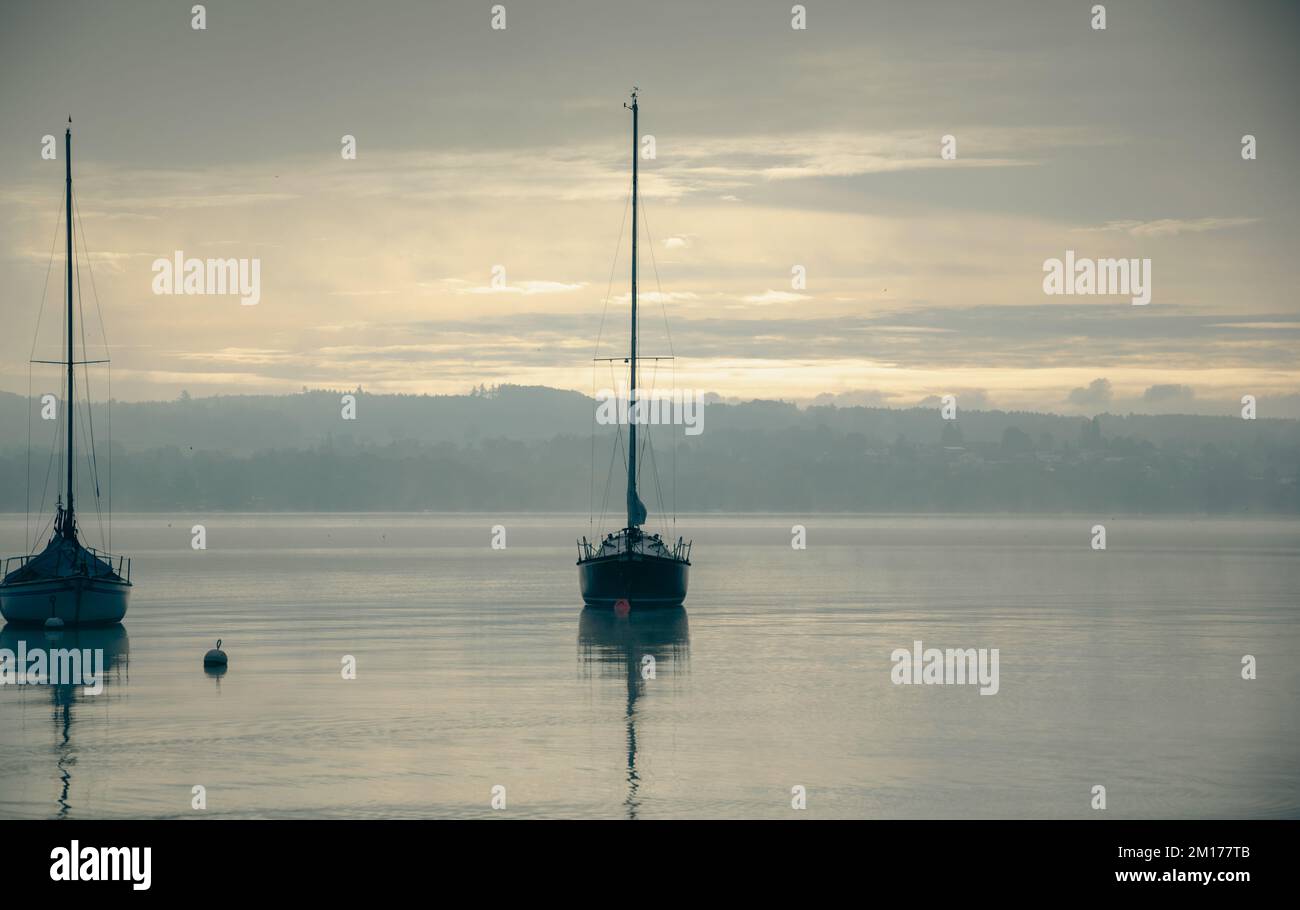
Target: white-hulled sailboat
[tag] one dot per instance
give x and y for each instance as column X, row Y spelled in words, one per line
column 67, row 583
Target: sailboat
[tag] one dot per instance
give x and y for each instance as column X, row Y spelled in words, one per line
column 630, row 569
column 67, row 583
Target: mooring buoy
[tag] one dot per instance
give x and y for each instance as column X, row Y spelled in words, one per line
column 215, row 656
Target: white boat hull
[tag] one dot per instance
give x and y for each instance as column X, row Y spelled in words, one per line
column 77, row 600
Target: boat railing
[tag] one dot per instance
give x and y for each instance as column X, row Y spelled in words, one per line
column 117, row 565
column 588, row 550
column 122, row 569
column 9, row 561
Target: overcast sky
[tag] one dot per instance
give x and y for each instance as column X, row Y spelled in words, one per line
column 775, row 147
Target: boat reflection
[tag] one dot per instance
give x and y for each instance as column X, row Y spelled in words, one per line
column 65, row 696
column 613, row 645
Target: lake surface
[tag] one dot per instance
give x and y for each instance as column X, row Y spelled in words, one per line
column 478, row 667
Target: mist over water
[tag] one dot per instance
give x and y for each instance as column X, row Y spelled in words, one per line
column 478, row 667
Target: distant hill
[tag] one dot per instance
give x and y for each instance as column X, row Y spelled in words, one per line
column 527, row 448
column 243, row 424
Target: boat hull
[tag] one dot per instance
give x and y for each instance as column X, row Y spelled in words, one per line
column 644, row 581
column 78, row 601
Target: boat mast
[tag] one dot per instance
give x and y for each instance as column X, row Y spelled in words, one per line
column 633, row 503
column 69, row 523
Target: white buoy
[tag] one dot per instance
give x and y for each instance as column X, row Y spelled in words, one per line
column 215, row 656
column 54, row 623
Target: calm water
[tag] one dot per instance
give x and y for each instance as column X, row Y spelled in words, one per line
column 478, row 667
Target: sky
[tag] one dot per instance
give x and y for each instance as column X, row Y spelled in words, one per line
column 774, row 148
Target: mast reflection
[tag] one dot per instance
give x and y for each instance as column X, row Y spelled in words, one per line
column 65, row 697
column 610, row 645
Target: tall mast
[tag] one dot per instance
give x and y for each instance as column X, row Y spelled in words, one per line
column 634, row 508
column 69, row 524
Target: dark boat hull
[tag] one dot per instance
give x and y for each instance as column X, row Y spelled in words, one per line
column 644, row 581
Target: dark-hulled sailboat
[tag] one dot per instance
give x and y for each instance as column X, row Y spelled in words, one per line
column 67, row 583
column 630, row 569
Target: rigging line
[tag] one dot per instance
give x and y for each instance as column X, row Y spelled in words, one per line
column 110, row 458
column 647, row 445
column 93, row 460
column 45, row 287
column 613, row 265
column 591, row 474
column 648, row 454
column 591, row 479
column 27, row 476
column 647, row 442
column 90, row 270
column 654, row 466
column 90, row 467
column 63, row 331
column 663, row 307
column 654, row 371
column 618, row 452
column 56, row 449
column 658, row 486
column 47, row 527
column 655, row 265
column 103, row 334
column 613, row 451
column 615, row 456
column 609, row 289
column 592, row 521
column 49, row 466
column 85, row 352
column 609, row 476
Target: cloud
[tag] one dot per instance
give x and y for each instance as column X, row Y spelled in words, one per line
column 718, row 166
column 658, row 297
column 771, row 296
column 1169, row 227
column 971, row 399
column 1097, row 394
column 1258, row 326
column 720, row 162
column 869, row 398
column 242, row 356
column 527, row 288
column 100, row 260
column 1168, row 392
